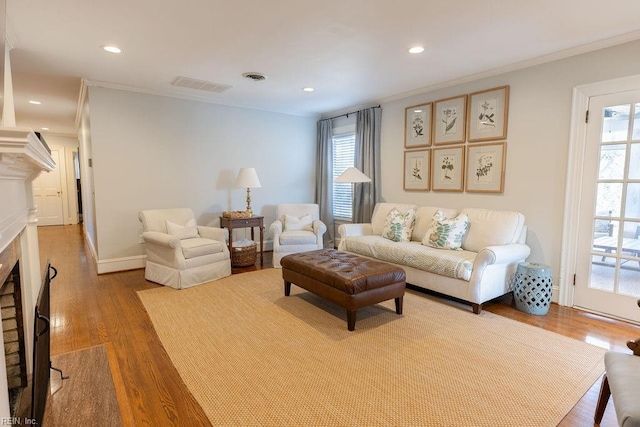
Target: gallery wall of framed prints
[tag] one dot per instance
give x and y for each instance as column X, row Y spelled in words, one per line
column 457, row 144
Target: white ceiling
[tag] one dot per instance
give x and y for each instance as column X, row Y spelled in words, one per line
column 352, row 52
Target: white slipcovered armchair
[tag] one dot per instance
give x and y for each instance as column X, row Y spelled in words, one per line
column 181, row 254
column 297, row 228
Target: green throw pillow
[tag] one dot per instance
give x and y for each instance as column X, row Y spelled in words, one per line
column 446, row 233
column 399, row 226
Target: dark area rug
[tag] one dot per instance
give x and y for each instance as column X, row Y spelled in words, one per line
column 88, row 396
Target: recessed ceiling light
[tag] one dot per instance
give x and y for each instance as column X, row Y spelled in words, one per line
column 308, row 89
column 417, row 111
column 35, row 102
column 416, row 49
column 45, row 128
column 112, row 49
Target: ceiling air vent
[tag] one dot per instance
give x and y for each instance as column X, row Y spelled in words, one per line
column 200, row 85
column 256, row 77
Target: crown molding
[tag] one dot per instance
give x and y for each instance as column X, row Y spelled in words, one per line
column 167, row 94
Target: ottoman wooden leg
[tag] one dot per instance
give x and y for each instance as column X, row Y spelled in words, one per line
column 287, row 288
column 399, row 305
column 351, row 319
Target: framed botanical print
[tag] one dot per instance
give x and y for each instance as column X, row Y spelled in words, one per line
column 485, row 167
column 417, row 126
column 416, row 170
column 449, row 120
column 447, row 169
column 488, row 114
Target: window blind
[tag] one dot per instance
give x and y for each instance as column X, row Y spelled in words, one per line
column 343, row 157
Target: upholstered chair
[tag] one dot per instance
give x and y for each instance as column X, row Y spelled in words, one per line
column 181, row 254
column 622, row 381
column 297, row 228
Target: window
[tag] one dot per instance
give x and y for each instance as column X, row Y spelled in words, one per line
column 344, row 146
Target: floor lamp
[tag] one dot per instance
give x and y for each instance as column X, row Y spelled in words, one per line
column 350, row 175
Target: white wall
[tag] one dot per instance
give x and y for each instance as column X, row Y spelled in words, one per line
column 537, row 142
column 157, row 152
column 86, row 178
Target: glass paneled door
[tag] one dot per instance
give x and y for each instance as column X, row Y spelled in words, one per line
column 608, row 265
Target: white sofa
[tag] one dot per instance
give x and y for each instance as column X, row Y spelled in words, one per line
column 492, row 247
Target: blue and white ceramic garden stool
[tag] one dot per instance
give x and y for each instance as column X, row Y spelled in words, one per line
column 533, row 288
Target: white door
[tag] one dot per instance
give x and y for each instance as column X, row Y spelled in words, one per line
column 608, row 264
column 47, row 192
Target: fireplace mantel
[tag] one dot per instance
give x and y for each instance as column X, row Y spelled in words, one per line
column 22, row 154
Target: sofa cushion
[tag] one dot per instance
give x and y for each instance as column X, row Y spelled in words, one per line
column 186, row 231
column 490, row 228
column 456, row 264
column 446, row 233
column 424, row 217
column 299, row 237
column 192, row 248
column 293, row 223
column 380, row 214
column 398, row 226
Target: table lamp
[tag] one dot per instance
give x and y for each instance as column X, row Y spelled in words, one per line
column 248, row 178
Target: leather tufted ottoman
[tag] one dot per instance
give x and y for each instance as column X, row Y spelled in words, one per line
column 348, row 280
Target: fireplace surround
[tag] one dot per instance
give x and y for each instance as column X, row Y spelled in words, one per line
column 23, row 156
column 13, row 329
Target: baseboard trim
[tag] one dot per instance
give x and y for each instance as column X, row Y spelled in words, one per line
column 555, row 292
column 120, row 264
column 113, row 265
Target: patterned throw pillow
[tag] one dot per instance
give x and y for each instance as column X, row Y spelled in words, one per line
column 446, row 233
column 398, row 226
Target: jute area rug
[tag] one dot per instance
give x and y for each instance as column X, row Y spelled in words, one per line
column 253, row 357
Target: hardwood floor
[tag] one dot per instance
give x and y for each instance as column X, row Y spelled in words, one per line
column 87, row 309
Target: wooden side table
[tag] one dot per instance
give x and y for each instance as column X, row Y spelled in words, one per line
column 254, row 221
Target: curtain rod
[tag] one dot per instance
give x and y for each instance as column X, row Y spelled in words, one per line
column 352, row 112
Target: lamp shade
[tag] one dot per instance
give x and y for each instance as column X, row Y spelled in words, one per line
column 352, row 174
column 247, row 178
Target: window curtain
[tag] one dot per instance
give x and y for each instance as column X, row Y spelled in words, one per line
column 367, row 159
column 324, row 178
